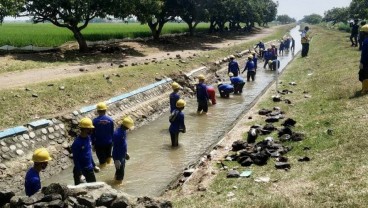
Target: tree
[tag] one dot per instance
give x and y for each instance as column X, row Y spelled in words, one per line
column 285, row 19
column 336, row 15
column 9, row 8
column 71, row 14
column 359, row 9
column 268, row 11
column 192, row 12
column 312, row 19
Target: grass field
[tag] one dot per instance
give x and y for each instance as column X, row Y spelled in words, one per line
column 46, row 34
column 336, row 176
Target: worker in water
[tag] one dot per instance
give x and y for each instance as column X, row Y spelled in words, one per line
column 292, row 44
column 354, row 33
column 212, row 94
column 174, row 96
column 360, row 39
column 261, row 47
column 202, row 95
column 82, row 153
column 267, row 55
column 40, row 159
column 255, row 59
column 251, row 69
column 102, row 135
column 177, row 124
column 363, row 72
column 274, row 52
column 305, row 41
column 225, row 89
column 282, row 48
column 120, row 150
column 233, row 66
column 238, row 83
column 287, row 43
column 274, row 65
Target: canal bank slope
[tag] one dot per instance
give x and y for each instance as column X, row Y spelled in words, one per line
column 329, row 110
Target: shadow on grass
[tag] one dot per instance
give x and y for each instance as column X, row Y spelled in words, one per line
column 357, row 94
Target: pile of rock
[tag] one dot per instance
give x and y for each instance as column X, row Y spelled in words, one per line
column 85, row 195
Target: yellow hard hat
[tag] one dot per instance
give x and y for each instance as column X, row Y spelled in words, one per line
column 364, row 28
column 232, row 56
column 201, row 77
column 250, row 56
column 127, row 122
column 180, row 103
column 175, row 86
column 253, row 52
column 101, row 106
column 231, row 74
column 86, row 123
column 270, row 62
column 41, row 155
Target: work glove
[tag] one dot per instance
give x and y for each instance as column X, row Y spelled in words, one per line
column 117, row 164
column 82, row 179
column 127, row 156
column 361, row 66
column 96, row 169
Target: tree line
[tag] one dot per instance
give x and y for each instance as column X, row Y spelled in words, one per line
column 76, row 14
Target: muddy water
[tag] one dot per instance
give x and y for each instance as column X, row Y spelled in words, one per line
column 154, row 163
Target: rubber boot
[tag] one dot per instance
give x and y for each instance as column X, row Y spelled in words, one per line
column 109, row 160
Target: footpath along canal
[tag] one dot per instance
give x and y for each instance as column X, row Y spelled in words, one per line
column 154, row 163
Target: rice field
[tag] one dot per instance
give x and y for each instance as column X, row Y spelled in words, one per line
column 48, row 35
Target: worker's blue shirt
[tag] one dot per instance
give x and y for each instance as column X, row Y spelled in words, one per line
column 249, row 66
column 233, row 68
column 104, row 129
column 255, row 61
column 282, row 46
column 226, row 88
column 174, row 97
column 32, row 182
column 268, row 55
column 120, row 144
column 177, row 121
column 261, row 45
column 236, row 80
column 202, row 95
column 82, row 154
column 364, row 55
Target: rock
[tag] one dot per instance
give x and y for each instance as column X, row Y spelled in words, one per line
column 247, row 162
column 149, row 202
column 287, row 101
column 297, row 137
column 233, row 174
column 20, row 152
column 121, row 66
column 282, row 159
column 188, row 172
column 304, row 159
column 2, row 143
column 264, row 111
column 2, row 167
column 35, row 95
column 5, row 197
column 282, row 165
column 56, row 204
column 178, row 56
column 32, row 135
column 289, row 122
column 106, row 199
column 50, row 85
column 272, row 119
column 56, row 188
column 81, row 69
column 158, row 79
column 12, row 147
column 28, row 89
column 87, row 201
column 285, row 138
column 238, row 145
column 292, row 83
column 285, row 130
column 120, row 202
column 5, row 149
column 269, row 127
column 61, row 88
column 330, row 132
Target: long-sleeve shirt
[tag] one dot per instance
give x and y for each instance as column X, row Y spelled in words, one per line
column 364, row 54
column 82, row 154
column 120, row 144
column 249, row 66
column 32, row 182
column 226, row 88
column 255, row 61
column 104, row 129
column 202, row 95
column 260, row 45
column 233, row 68
column 174, row 97
column 177, row 121
column 236, row 80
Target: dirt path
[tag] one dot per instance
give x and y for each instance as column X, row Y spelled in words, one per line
column 23, row 78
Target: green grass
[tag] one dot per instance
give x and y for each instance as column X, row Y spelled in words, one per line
column 91, row 88
column 46, row 34
column 337, row 174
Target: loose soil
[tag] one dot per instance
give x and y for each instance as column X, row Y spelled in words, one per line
column 74, row 64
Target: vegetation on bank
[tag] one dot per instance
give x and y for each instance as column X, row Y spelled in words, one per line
column 20, row 107
column 336, row 175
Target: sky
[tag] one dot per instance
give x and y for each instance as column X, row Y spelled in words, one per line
column 298, row 8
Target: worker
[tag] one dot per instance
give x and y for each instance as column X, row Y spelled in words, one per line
column 354, row 33
column 40, row 159
column 212, row 94
column 102, row 135
column 363, row 66
column 202, row 95
column 292, row 44
column 360, row 39
column 120, row 150
column 251, row 69
column 287, row 43
column 233, row 66
column 261, row 47
column 225, row 89
column 237, row 82
column 82, row 153
column 273, row 65
column 177, row 124
column 174, row 96
column 305, row 41
column 274, row 51
column 255, row 59
column 281, row 48
column 267, row 55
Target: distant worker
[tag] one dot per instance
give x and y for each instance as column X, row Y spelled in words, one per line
column 274, row 51
column 120, row 150
column 267, row 55
column 261, row 47
column 102, row 135
column 40, row 159
column 225, row 89
column 82, row 153
column 202, row 95
column 363, row 72
column 233, row 66
column 255, row 59
column 281, row 48
column 212, row 94
column 274, row 65
column 238, row 83
column 287, row 43
column 360, row 39
column 292, row 44
column 354, row 33
column 251, row 69
column 177, row 124
column 305, row 41
column 174, row 96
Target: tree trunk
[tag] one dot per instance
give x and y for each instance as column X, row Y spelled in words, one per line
column 191, row 26
column 80, row 39
column 153, row 28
